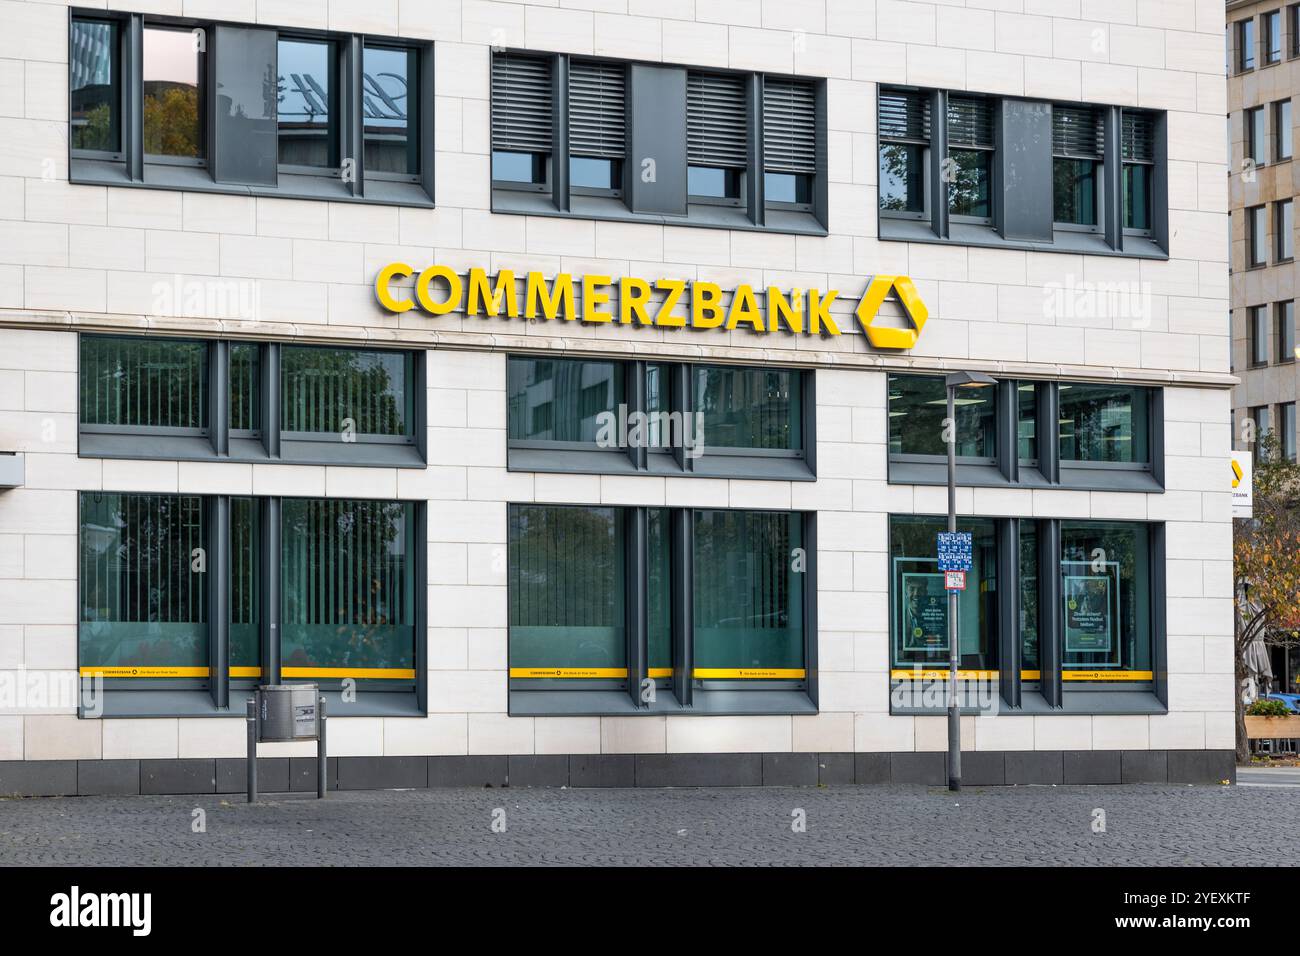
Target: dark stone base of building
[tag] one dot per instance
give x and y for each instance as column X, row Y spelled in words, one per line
column 49, row 778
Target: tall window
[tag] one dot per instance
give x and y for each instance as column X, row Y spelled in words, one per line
column 1078, row 144
column 1105, row 602
column 1293, row 26
column 346, row 392
column 521, row 119
column 142, row 586
column 789, row 142
column 918, row 405
column 390, row 110
column 596, row 126
column 748, row 596
column 1282, row 130
column 749, row 408
column 1245, row 45
column 1137, row 153
column 308, row 103
column 1105, row 423
column 1285, row 318
column 904, row 129
column 1258, row 336
column 1284, row 230
column 919, row 603
column 95, row 87
column 245, row 409
column 173, row 96
column 1255, row 136
column 348, row 592
column 143, row 384
column 1272, row 37
column 1287, row 424
column 245, row 588
column 1256, row 237
column 716, row 137
column 970, row 154
column 1259, row 414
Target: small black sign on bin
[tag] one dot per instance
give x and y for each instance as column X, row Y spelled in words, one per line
column 283, row 713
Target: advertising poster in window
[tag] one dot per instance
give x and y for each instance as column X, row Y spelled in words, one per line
column 1091, row 606
column 924, row 612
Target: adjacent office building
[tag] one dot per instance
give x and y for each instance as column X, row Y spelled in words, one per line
column 563, row 391
column 1263, row 49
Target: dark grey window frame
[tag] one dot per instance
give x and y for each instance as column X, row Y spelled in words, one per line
column 1282, row 133
column 269, row 443
column 1245, row 45
column 579, row 458
column 134, row 170
column 1017, row 221
column 1007, row 469
column 1256, row 252
column 752, row 213
column 1282, row 235
column 1255, row 119
column 1257, row 327
column 1271, row 18
column 1284, row 329
column 1048, row 694
column 213, row 697
column 673, row 695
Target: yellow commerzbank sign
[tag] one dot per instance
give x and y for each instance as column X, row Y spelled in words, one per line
column 440, row 290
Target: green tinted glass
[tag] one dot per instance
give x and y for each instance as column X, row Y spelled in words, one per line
column 143, row 383
column 749, row 407
column 561, row 400
column 324, row 389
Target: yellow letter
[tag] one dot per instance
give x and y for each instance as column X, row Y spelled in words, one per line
column 779, row 309
column 486, row 298
column 745, row 309
column 591, row 298
column 819, row 312
column 381, row 287
column 560, row 293
column 674, row 289
column 706, row 308
column 633, row 294
column 445, row 273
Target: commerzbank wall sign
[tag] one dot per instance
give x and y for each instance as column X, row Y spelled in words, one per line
column 663, row 303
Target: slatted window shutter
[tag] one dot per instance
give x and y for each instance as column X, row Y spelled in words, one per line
column 597, row 98
column 789, row 126
column 521, row 103
column 904, row 115
column 716, row 122
column 1078, row 132
column 970, row 122
column 1138, row 138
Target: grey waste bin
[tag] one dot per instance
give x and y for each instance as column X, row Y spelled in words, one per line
column 287, row 712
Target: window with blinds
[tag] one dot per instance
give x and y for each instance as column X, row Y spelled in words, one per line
column 717, row 135
column 970, row 122
column 904, row 116
column 597, row 122
column 143, row 384
column 1138, row 139
column 903, row 124
column 522, row 117
column 1078, row 132
column 789, row 126
column 323, row 390
column 1078, row 146
column 1138, row 155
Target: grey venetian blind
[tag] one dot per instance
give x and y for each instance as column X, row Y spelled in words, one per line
column 521, row 103
column 789, row 126
column 1077, row 131
column 716, row 121
column 1138, row 138
column 904, row 114
column 597, row 95
column 970, row 122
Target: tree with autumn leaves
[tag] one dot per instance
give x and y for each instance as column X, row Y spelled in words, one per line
column 1266, row 566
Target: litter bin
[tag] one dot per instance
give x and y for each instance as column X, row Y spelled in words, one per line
column 286, row 712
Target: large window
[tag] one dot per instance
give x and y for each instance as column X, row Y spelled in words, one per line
column 1078, row 139
column 155, row 398
column 143, row 587
column 521, row 120
column 717, row 137
column 144, row 385
column 597, row 144
column 597, row 604
column 1105, row 602
column 594, row 416
column 1105, row 424
column 918, row 406
column 348, row 590
column 789, row 142
column 971, row 137
column 203, row 118
column 920, row 627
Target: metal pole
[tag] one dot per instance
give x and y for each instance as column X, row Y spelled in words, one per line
column 320, row 750
column 251, row 712
column 954, row 710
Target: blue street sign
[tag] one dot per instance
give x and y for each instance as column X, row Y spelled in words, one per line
column 954, row 548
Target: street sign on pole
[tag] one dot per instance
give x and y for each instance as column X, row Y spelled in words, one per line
column 954, row 550
column 954, row 580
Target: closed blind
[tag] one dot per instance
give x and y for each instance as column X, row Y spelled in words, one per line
column 596, row 109
column 1138, row 138
column 789, row 126
column 1077, row 132
column 716, row 121
column 905, row 115
column 970, row 122
column 521, row 103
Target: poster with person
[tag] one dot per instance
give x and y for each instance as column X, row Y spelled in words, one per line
column 1090, row 604
column 925, row 612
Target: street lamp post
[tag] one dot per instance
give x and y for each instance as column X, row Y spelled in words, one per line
column 953, row 382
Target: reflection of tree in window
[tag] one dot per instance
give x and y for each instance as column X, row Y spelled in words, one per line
column 748, row 408
column 322, row 387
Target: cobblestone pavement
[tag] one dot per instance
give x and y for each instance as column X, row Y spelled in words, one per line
column 1169, row 825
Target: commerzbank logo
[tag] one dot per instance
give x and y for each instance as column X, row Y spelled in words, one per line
column 663, row 303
